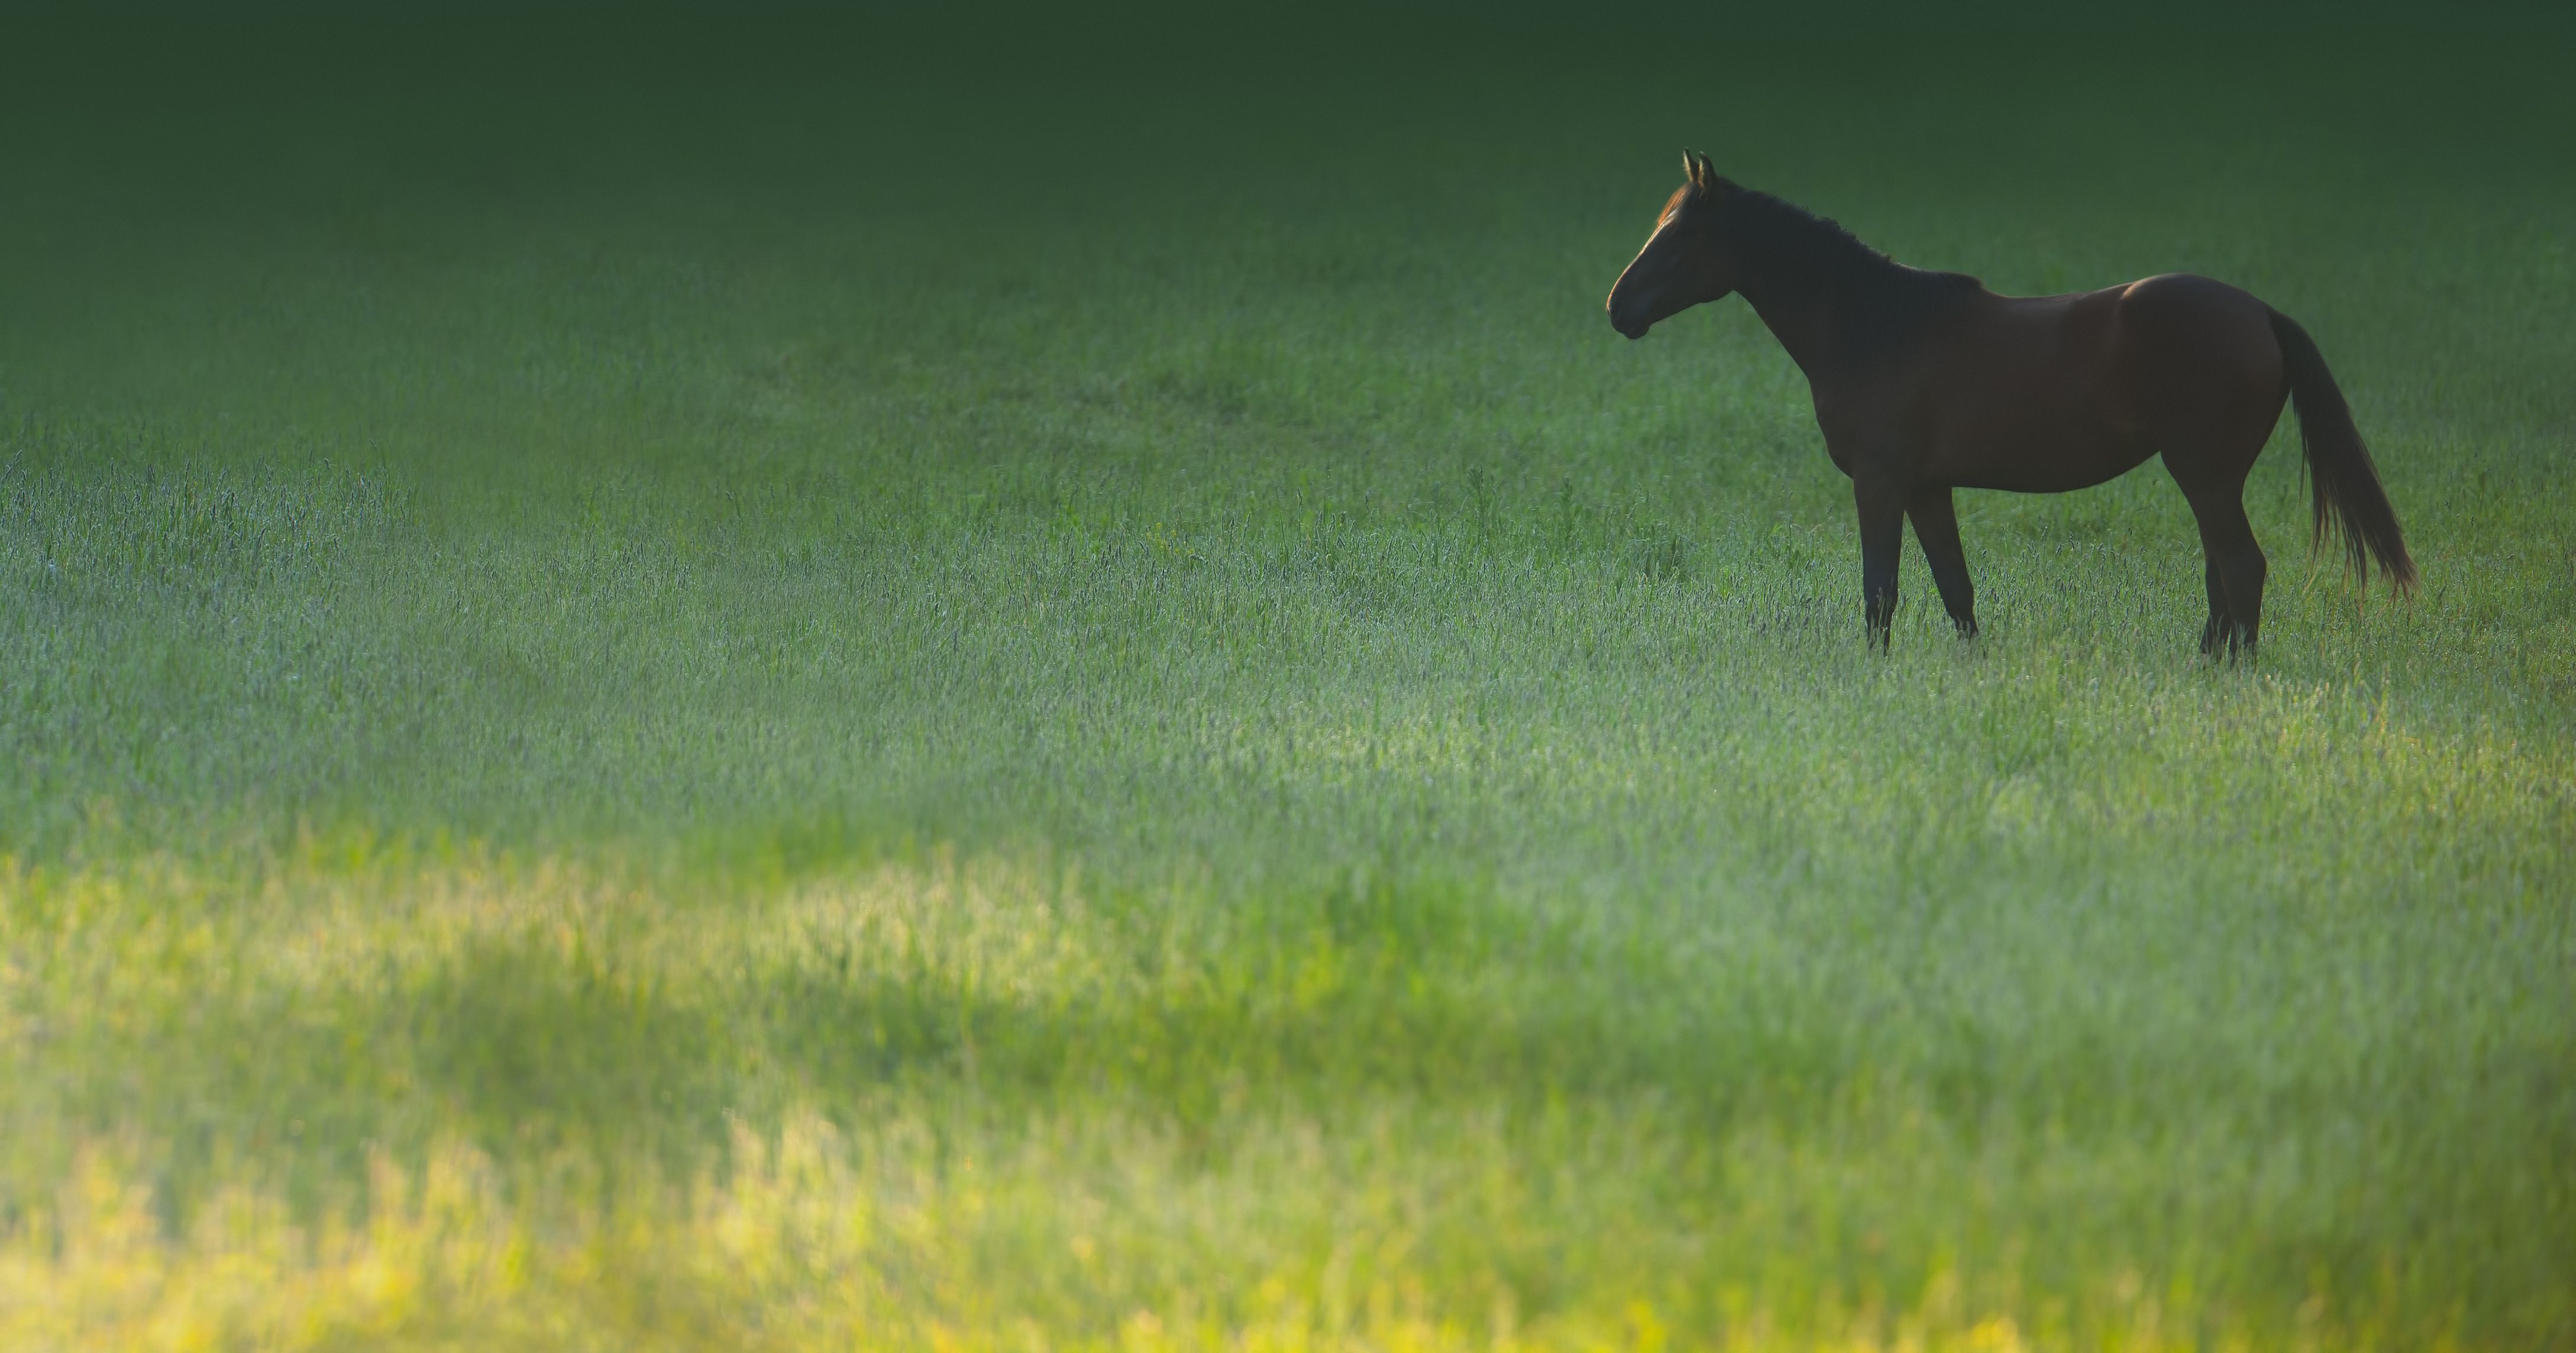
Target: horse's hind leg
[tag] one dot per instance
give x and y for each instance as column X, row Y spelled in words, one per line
column 2200, row 368
column 1936, row 526
column 2235, row 567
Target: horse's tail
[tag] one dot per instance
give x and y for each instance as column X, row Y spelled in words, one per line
column 2343, row 485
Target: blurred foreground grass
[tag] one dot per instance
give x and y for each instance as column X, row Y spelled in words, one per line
column 360, row 1095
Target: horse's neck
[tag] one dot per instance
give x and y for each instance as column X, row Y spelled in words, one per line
column 1801, row 317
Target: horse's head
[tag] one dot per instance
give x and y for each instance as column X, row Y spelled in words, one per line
column 1683, row 263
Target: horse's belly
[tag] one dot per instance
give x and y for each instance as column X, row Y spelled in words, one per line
column 2071, row 454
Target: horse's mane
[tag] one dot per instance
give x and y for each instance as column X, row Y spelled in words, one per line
column 1780, row 233
column 1889, row 300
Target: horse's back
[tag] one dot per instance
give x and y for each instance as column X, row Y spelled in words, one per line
column 2193, row 307
column 2051, row 393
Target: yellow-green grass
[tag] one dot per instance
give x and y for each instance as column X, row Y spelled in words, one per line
column 1176, row 747
column 432, row 1100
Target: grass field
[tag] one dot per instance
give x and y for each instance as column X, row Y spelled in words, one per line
column 1114, row 718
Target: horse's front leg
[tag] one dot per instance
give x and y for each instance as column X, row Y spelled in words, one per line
column 1936, row 529
column 1882, row 536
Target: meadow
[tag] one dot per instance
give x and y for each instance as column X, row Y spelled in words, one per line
column 1113, row 718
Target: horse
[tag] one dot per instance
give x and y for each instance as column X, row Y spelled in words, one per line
column 1926, row 382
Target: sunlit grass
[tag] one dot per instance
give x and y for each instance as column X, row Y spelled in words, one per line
column 960, row 1107
column 812, row 1240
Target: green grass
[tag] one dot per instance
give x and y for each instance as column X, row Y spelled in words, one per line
column 1166, row 744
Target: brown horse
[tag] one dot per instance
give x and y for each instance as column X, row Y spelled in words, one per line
column 1925, row 382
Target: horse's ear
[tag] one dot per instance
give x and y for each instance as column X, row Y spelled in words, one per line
column 1690, row 168
column 1702, row 173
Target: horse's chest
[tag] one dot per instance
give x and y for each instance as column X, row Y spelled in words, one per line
column 1869, row 422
